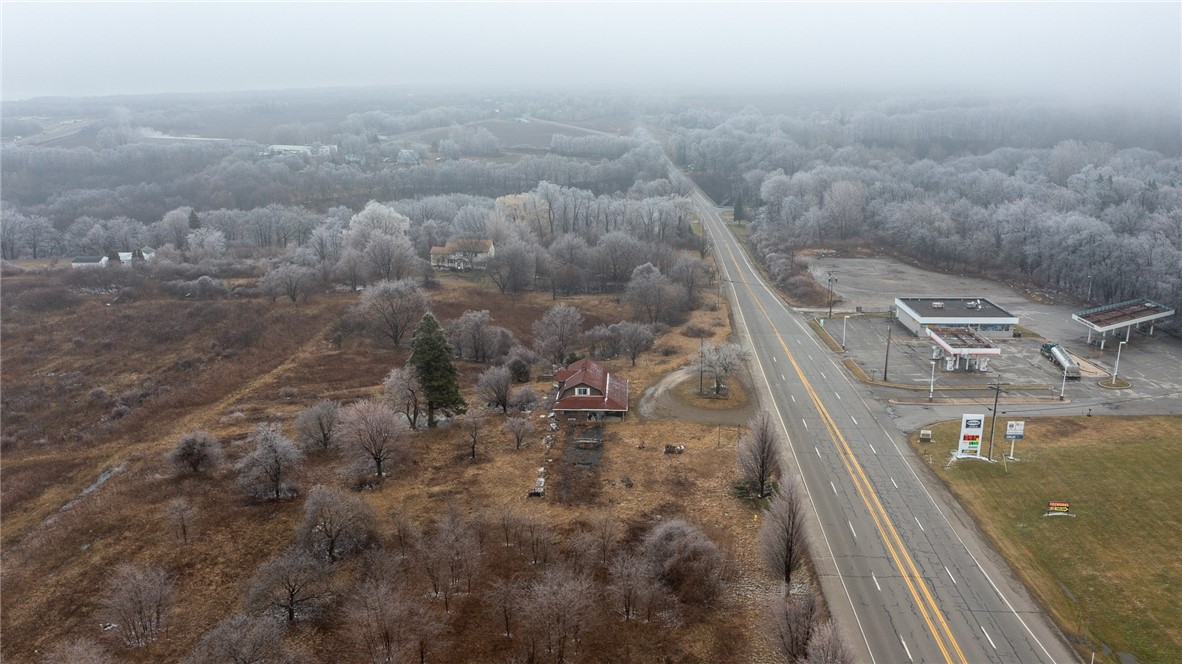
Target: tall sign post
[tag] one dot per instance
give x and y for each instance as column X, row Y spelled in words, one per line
column 1015, row 430
column 971, row 428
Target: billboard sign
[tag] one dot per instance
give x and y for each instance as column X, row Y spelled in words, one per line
column 971, row 427
column 1015, row 430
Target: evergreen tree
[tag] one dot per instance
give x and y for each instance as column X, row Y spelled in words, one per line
column 431, row 357
column 740, row 214
column 194, row 222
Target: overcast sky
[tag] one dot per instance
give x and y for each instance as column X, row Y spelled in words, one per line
column 1080, row 51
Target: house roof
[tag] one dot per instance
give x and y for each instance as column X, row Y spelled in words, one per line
column 89, row 259
column 613, row 389
column 480, row 246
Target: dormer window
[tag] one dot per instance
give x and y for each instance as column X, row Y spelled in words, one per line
column 582, row 391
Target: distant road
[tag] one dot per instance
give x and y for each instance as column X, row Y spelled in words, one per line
column 56, row 133
column 902, row 566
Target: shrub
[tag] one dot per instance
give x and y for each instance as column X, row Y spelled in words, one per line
column 51, row 298
column 137, row 602
column 196, row 451
column 685, row 560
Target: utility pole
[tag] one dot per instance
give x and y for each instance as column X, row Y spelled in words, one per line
column 831, row 280
column 996, row 387
column 890, row 328
column 701, row 365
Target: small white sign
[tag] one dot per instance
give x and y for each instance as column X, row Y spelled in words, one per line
column 1015, row 430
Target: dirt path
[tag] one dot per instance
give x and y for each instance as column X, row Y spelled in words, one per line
column 659, row 402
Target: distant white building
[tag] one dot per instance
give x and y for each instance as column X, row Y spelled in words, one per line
column 307, row 150
column 89, row 261
column 408, row 157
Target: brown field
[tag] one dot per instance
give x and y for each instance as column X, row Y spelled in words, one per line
column 82, row 492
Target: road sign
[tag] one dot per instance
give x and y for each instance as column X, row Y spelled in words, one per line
column 971, row 427
column 1015, row 430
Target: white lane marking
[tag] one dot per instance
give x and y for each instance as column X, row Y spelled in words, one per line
column 774, row 359
column 987, row 636
column 920, row 524
column 872, row 448
column 876, row 582
column 818, row 451
column 834, row 487
column 950, row 575
column 793, row 398
column 823, row 377
column 852, row 528
column 783, row 378
column 906, row 649
column 854, row 419
column 893, row 482
column 806, row 424
column 810, row 357
column 838, row 396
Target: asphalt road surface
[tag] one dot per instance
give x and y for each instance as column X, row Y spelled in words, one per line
column 906, row 574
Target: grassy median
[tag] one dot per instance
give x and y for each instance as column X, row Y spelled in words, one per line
column 1112, row 574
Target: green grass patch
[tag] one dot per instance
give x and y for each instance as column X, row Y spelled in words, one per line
column 1120, row 558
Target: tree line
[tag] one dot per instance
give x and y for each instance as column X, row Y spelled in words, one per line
column 1080, row 216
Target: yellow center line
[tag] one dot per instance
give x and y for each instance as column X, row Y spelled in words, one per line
column 882, row 521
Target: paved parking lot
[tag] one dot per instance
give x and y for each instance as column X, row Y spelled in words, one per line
column 1152, row 364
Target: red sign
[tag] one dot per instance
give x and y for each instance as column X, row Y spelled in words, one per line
column 1058, row 507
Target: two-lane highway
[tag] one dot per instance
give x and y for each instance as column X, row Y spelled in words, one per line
column 905, row 576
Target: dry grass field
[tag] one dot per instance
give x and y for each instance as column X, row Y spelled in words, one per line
column 83, row 491
column 1111, row 574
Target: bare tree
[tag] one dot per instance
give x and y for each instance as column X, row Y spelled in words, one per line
column 510, row 521
column 633, row 338
column 316, row 426
column 181, row 516
column 389, row 256
column 685, row 560
column 606, row 529
column 383, row 621
column 195, row 452
column 351, row 268
column 374, row 431
column 562, row 603
column 494, row 385
column 827, row 647
column 472, row 424
column 722, row 360
column 782, row 539
column 759, row 453
column 652, row 296
column 792, row 619
column 294, row 585
column 266, row 470
column 520, row 427
column 294, row 281
column 629, row 573
column 396, row 306
column 335, row 523
column 403, row 390
column 241, row 639
column 137, row 602
column 557, row 332
column 537, row 538
column 79, row 650
column 506, row 600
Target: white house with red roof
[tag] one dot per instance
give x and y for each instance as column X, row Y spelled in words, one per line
column 587, row 387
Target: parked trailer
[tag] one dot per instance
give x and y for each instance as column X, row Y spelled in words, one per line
column 1055, row 353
